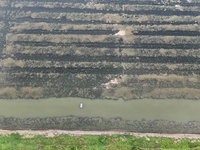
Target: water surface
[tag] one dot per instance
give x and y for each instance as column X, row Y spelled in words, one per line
column 150, row 109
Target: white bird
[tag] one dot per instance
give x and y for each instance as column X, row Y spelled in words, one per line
column 81, row 105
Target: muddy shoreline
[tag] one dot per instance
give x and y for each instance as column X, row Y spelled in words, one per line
column 51, row 133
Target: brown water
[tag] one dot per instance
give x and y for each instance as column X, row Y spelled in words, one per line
column 149, row 109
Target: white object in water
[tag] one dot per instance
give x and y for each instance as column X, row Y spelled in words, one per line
column 81, row 105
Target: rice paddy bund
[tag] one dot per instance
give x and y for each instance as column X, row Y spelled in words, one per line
column 100, row 49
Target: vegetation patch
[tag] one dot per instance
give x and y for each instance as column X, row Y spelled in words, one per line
column 15, row 141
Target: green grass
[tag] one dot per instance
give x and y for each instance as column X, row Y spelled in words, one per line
column 15, row 141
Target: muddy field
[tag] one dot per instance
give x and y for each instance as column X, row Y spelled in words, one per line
column 100, row 49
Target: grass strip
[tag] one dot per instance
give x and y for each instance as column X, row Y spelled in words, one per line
column 15, row 141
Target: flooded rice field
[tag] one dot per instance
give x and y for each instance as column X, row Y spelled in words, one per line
column 130, row 65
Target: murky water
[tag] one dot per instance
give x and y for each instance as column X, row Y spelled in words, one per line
column 148, row 109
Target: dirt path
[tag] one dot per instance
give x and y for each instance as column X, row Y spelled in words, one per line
column 51, row 133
